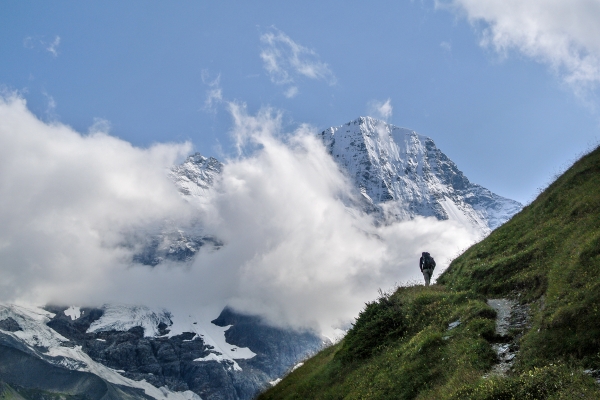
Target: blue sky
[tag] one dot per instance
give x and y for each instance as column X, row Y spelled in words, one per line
column 507, row 89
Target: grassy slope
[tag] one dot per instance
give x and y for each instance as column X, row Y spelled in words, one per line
column 8, row 393
column 548, row 255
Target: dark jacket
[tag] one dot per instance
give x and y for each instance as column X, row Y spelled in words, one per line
column 426, row 265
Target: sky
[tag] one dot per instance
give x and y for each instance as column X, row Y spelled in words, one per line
column 99, row 99
column 512, row 105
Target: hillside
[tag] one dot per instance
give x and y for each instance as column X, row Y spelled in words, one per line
column 449, row 341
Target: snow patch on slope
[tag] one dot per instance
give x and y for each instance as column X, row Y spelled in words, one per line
column 124, row 317
column 73, row 312
column 214, row 336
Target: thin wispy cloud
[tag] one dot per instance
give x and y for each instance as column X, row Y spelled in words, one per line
column 50, row 107
column 286, row 61
column 28, row 42
column 41, row 43
column 380, row 109
column 291, row 92
column 53, row 46
column 100, row 125
column 214, row 94
column 565, row 34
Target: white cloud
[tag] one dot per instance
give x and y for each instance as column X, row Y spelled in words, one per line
column 53, row 46
column 291, row 92
column 293, row 252
column 446, row 46
column 100, row 125
column 67, row 202
column 380, row 109
column 286, row 60
column 28, row 42
column 562, row 33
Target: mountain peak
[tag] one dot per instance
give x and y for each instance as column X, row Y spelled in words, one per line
column 402, row 174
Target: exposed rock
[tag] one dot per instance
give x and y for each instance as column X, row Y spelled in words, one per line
column 35, row 378
column 10, row 325
column 169, row 361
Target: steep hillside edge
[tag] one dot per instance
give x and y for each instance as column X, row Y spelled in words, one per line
column 438, row 342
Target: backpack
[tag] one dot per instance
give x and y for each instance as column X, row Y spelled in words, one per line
column 428, row 261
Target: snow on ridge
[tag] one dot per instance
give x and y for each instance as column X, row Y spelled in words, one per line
column 32, row 321
column 399, row 174
column 121, row 317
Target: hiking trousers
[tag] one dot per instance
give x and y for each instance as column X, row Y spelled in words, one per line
column 427, row 275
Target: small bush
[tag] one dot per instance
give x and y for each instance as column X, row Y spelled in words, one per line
column 380, row 323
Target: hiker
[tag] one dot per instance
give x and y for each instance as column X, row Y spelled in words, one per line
column 427, row 264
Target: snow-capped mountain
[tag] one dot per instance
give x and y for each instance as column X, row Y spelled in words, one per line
column 401, row 174
column 124, row 351
column 136, row 352
column 193, row 179
column 398, row 173
column 196, row 175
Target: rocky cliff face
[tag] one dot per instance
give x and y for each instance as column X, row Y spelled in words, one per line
column 401, row 174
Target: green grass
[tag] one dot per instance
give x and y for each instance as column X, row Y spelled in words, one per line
column 548, row 256
column 399, row 346
column 8, row 393
column 16, row 392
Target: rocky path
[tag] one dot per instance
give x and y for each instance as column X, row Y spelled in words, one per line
column 511, row 320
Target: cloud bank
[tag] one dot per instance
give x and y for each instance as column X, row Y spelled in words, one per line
column 294, row 252
column 67, row 200
column 562, row 33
